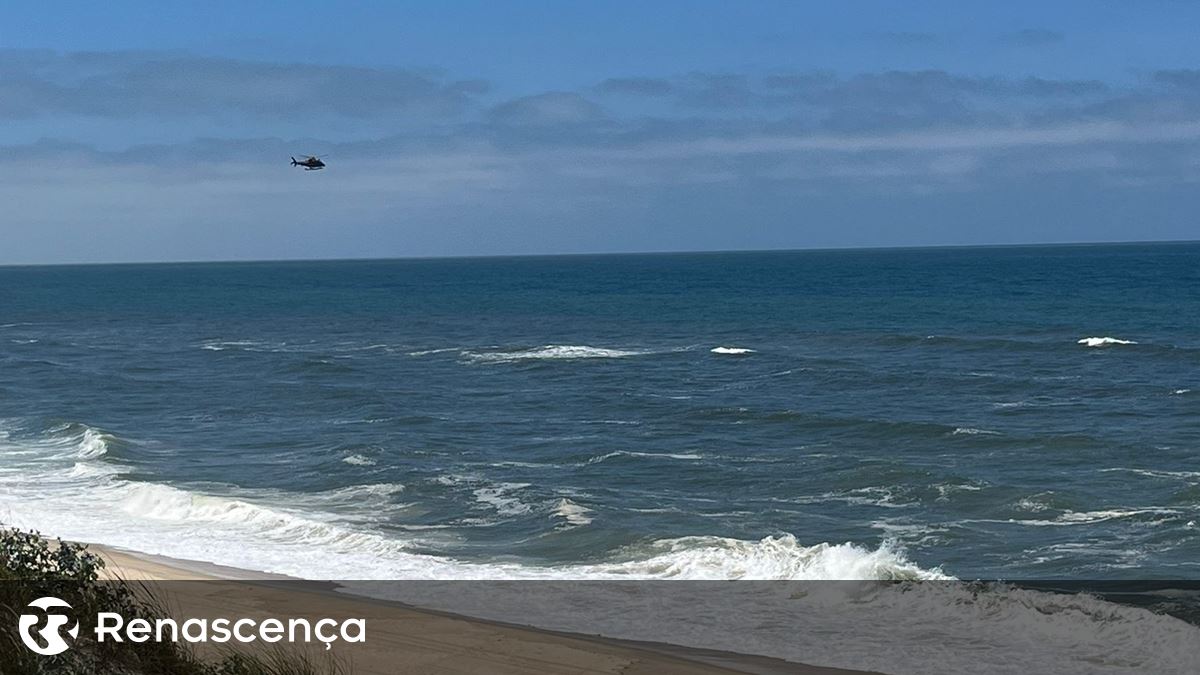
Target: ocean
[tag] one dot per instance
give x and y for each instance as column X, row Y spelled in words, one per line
column 976, row 413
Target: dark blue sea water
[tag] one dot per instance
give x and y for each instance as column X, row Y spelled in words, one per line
column 795, row 414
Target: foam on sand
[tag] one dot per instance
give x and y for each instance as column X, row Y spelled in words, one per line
column 1103, row 342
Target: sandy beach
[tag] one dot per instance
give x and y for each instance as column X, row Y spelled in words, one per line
column 402, row 639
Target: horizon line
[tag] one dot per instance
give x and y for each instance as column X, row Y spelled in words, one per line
column 502, row 256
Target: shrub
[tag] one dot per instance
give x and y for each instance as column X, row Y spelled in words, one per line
column 32, row 566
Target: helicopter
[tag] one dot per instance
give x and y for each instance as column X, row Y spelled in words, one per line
column 310, row 163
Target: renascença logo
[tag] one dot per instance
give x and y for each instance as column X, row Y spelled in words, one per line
column 110, row 626
column 52, row 633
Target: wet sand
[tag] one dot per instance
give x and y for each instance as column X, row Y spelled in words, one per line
column 402, row 639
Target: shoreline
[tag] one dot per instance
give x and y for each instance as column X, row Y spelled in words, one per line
column 414, row 638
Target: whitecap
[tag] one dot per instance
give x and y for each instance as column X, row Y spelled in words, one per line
column 629, row 453
column 69, row 493
column 358, row 460
column 1103, row 341
column 355, row 492
column 733, row 351
column 93, row 444
column 499, row 497
column 1069, row 518
column 1155, row 474
column 552, row 352
column 971, row 431
column 572, row 513
column 1031, row 504
column 781, row 557
column 427, row 352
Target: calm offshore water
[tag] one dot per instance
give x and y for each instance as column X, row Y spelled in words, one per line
column 902, row 412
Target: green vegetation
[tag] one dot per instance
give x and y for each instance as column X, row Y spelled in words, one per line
column 32, row 567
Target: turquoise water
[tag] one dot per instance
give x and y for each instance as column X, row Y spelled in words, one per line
column 794, row 414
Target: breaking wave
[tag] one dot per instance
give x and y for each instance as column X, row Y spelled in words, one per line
column 1069, row 518
column 971, row 431
column 733, row 351
column 653, row 455
column 500, row 497
column 551, row 352
column 1103, row 341
column 65, row 483
column 427, row 352
column 572, row 513
column 781, row 557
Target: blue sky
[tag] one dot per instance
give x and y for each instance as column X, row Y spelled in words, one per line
column 135, row 131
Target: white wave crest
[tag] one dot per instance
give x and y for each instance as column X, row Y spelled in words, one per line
column 500, row 498
column 80, row 441
column 279, row 527
column 93, row 444
column 358, row 492
column 552, row 352
column 358, row 460
column 629, row 453
column 427, row 352
column 780, row 557
column 223, row 345
column 1072, row 517
column 1103, row 341
column 330, row 534
column 1155, row 474
column 572, row 513
column 971, row 431
column 1069, row 518
column 734, row 351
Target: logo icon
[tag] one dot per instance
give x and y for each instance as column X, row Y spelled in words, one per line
column 52, row 633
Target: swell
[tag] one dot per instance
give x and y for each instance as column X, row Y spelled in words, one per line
column 1018, row 344
column 800, row 420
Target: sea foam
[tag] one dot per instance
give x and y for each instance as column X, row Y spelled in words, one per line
column 500, row 497
column 649, row 455
column 777, row 557
column 552, row 352
column 358, row 460
column 572, row 513
column 732, row 351
column 971, row 431
column 66, row 487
